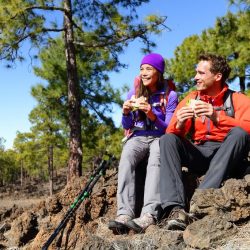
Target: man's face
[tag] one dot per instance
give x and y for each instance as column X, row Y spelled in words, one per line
column 205, row 80
column 149, row 75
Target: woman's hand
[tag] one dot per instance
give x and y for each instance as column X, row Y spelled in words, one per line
column 147, row 109
column 127, row 107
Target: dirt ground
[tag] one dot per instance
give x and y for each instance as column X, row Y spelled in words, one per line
column 24, row 203
column 31, row 193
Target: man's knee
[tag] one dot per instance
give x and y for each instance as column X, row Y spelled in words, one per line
column 168, row 138
column 238, row 132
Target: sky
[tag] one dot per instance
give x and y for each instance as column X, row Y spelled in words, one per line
column 184, row 18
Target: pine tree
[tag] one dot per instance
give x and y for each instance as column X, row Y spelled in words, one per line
column 100, row 25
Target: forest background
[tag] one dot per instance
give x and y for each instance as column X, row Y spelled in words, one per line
column 60, row 127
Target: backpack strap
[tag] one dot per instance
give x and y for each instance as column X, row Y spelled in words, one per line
column 169, row 85
column 228, row 103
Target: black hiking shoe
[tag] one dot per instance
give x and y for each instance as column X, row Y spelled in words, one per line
column 118, row 226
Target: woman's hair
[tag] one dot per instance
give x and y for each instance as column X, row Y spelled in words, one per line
column 144, row 91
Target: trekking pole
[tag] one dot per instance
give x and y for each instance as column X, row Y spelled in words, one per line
column 100, row 171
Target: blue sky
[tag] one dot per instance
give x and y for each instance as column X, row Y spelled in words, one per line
column 185, row 18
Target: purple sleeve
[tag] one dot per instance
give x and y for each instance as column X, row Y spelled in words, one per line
column 171, row 106
column 127, row 120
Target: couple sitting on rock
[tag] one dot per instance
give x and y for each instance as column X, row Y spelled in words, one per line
column 156, row 127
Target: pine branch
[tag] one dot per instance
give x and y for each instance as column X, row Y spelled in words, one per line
column 36, row 7
column 112, row 40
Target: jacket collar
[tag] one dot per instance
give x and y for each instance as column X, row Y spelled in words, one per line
column 215, row 100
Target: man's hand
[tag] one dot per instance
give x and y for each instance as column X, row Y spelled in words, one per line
column 205, row 109
column 182, row 115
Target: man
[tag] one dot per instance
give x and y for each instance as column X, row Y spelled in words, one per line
column 219, row 142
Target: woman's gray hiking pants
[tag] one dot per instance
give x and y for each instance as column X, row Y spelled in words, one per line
column 134, row 151
column 214, row 159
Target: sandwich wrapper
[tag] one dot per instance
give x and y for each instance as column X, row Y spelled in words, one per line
column 137, row 101
column 191, row 103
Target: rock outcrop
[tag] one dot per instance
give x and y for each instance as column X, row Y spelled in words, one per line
column 223, row 216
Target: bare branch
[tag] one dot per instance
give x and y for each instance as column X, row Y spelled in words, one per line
column 52, row 30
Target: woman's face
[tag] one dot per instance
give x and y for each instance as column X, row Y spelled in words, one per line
column 149, row 76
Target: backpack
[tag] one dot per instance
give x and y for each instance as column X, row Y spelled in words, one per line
column 228, row 103
column 170, row 85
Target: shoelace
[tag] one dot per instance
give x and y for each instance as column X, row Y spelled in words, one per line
column 123, row 218
column 174, row 213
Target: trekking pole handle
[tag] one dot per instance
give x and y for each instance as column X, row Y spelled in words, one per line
column 101, row 166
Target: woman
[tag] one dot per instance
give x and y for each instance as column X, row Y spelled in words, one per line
column 145, row 118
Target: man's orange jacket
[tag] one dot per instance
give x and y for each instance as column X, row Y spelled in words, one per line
column 203, row 129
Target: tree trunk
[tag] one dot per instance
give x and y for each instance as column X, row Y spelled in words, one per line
column 242, row 83
column 51, row 169
column 74, row 103
column 21, row 173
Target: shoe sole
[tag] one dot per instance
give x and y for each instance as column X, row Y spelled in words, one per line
column 176, row 225
column 136, row 228
column 117, row 227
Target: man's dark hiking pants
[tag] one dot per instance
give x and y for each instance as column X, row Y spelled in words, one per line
column 214, row 159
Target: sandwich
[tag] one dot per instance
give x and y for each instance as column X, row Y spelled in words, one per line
column 136, row 102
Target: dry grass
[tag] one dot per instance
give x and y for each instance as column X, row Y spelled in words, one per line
column 137, row 239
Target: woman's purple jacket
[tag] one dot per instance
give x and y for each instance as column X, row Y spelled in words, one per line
column 162, row 120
